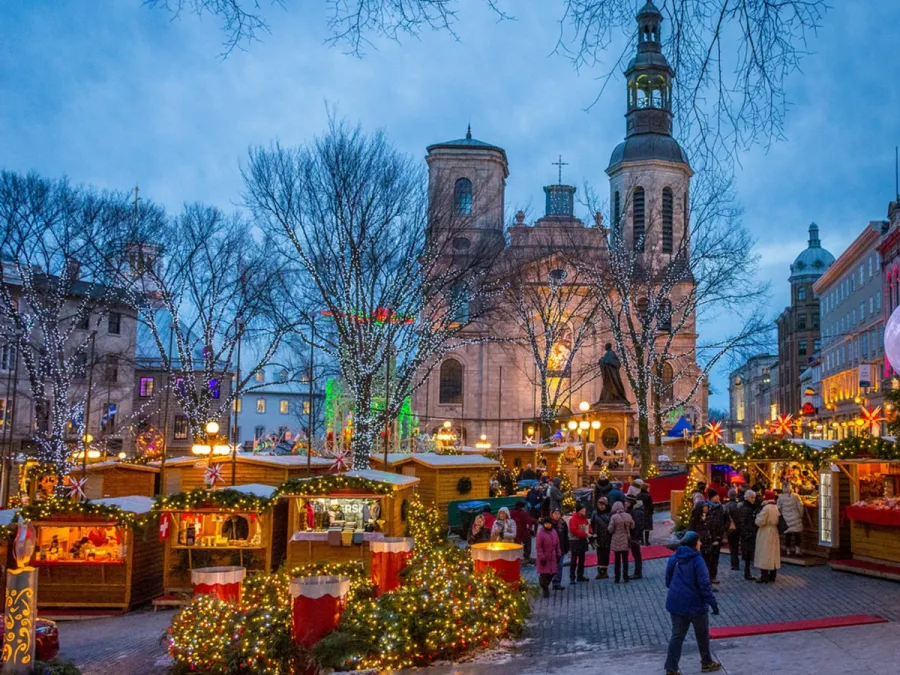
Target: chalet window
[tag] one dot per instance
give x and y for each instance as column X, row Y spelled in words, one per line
column 451, row 382
column 637, row 219
column 114, row 323
column 667, row 220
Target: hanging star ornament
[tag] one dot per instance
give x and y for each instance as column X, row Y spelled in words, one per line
column 529, row 440
column 782, row 425
column 341, row 461
column 76, row 488
column 213, row 475
column 872, row 419
column 714, row 434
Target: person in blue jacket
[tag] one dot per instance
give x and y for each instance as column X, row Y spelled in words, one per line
column 690, row 595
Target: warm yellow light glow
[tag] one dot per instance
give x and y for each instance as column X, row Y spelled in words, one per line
column 93, row 454
column 200, row 449
column 531, row 431
column 584, row 424
column 859, row 422
column 122, row 455
column 212, row 427
column 595, row 424
column 88, row 438
column 221, row 450
column 573, row 425
column 584, row 406
column 836, row 425
column 447, row 424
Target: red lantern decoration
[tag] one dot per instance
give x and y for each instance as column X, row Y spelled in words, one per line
column 389, row 556
column 502, row 557
column 223, row 582
column 317, row 606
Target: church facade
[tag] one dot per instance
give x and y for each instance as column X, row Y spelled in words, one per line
column 493, row 387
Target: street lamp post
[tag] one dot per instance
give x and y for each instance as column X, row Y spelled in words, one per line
column 239, row 325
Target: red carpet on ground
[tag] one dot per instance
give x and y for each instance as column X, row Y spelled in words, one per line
column 794, row 626
column 647, row 553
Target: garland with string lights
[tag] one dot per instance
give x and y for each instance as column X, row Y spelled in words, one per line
column 330, row 483
column 57, row 507
column 715, row 454
column 863, row 448
column 780, row 449
column 224, row 500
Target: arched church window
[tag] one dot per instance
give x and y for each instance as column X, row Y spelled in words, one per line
column 451, row 382
column 665, row 381
column 637, row 219
column 462, row 198
column 617, row 216
column 664, row 321
column 667, row 220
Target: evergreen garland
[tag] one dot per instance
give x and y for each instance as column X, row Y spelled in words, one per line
column 329, row 483
column 224, row 500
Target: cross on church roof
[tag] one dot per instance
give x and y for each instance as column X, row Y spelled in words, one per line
column 560, row 164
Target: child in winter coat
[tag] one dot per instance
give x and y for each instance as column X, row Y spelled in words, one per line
column 479, row 532
column 548, row 554
column 620, row 527
column 578, row 531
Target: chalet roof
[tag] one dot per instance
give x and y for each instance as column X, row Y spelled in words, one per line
column 116, row 464
column 395, row 479
column 434, row 460
column 255, row 489
column 132, row 504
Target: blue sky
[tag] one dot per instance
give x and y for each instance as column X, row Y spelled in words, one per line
column 115, row 94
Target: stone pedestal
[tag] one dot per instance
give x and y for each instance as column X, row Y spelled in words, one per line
column 616, row 426
column 18, row 621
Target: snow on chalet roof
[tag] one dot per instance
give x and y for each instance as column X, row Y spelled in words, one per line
column 737, row 447
column 116, row 464
column 133, row 504
column 396, row 479
column 255, row 489
column 814, row 443
column 524, row 446
column 434, row 460
column 177, row 461
column 283, row 460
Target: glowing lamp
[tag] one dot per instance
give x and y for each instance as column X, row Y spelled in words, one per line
column 859, row 421
column 531, row 431
column 212, row 427
column 483, row 443
column 584, row 406
column 595, row 424
column 573, row 425
column 584, row 424
column 447, row 424
column 201, row 449
column 857, row 400
column 221, row 449
column 93, row 454
column 88, row 438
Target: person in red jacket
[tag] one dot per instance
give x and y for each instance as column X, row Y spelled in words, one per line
column 524, row 525
column 489, row 518
column 579, row 528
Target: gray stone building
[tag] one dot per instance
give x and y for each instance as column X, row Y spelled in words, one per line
column 752, row 388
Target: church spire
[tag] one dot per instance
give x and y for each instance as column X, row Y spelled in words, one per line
column 649, row 78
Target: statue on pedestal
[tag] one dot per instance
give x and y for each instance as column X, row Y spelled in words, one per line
column 613, row 388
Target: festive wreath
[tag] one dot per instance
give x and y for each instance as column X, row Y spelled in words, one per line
column 464, row 485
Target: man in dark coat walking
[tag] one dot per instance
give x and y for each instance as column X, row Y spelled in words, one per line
column 717, row 531
column 747, row 523
column 647, row 501
column 688, row 601
column 733, row 528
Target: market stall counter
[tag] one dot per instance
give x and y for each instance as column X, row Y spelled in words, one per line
column 334, row 518
column 874, row 514
column 241, row 526
column 102, row 554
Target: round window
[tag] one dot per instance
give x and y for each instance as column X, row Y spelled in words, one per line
column 558, row 275
column 610, row 438
column 460, row 243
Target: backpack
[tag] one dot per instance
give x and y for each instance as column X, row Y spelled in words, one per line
column 782, row 524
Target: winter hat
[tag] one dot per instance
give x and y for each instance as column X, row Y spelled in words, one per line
column 617, row 485
column 520, row 504
column 638, row 482
column 690, row 538
column 603, row 500
column 503, row 510
column 769, row 496
column 712, row 492
column 486, row 508
column 557, row 481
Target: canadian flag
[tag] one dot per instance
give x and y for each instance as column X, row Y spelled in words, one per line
column 164, row 525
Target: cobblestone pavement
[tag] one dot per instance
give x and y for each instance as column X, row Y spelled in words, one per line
column 580, row 622
column 120, row 645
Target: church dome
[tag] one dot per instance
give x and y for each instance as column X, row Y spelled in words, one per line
column 648, row 146
column 814, row 260
column 466, row 143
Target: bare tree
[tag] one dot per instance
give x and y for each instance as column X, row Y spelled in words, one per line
column 548, row 304
column 209, row 288
column 396, row 268
column 66, row 269
column 654, row 287
column 732, row 56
